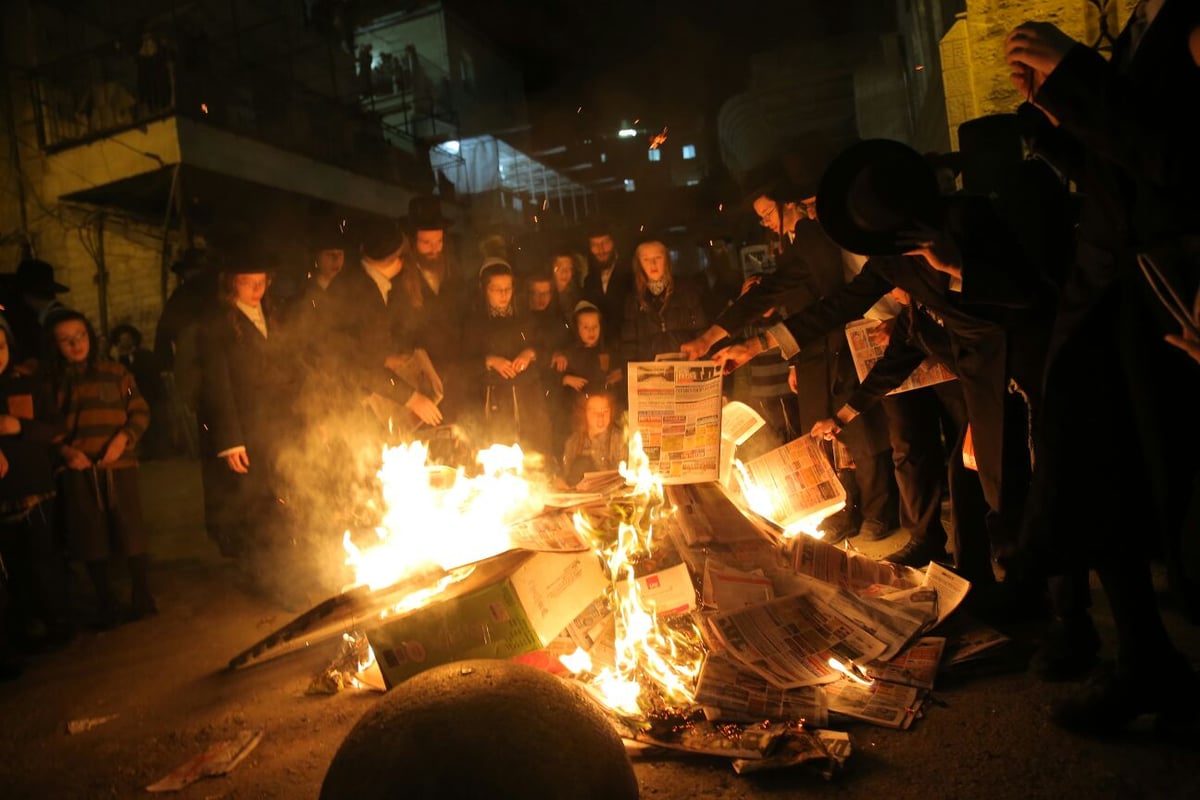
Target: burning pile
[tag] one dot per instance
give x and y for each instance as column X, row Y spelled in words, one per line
column 784, row 637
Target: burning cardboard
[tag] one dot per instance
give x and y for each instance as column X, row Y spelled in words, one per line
column 512, row 604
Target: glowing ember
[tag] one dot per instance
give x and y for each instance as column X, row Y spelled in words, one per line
column 658, row 139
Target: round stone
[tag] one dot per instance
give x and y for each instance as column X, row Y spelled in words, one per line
column 482, row 729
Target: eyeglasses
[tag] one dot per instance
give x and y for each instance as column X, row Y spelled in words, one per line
column 76, row 339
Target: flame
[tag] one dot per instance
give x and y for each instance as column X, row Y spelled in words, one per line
column 658, row 139
column 759, row 500
column 852, row 672
column 438, row 517
column 647, row 650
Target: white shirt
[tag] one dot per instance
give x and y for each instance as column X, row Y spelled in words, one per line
column 382, row 281
column 255, row 315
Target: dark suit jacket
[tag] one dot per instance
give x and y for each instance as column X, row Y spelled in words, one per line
column 357, row 331
column 612, row 302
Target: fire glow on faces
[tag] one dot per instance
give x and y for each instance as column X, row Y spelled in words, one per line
column 564, row 272
column 540, row 295
column 499, row 291
column 249, row 289
column 652, row 256
column 329, row 262
column 72, row 338
column 429, row 244
column 601, row 248
column 587, row 325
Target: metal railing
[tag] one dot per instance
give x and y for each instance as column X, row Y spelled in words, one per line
column 103, row 92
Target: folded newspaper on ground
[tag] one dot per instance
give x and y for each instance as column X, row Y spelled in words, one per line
column 794, row 486
column 892, row 705
column 916, row 665
column 725, row 588
column 846, row 568
column 676, row 407
column 554, row 532
column 896, row 624
column 791, row 640
column 969, row 640
column 951, row 589
column 868, row 340
column 731, row 693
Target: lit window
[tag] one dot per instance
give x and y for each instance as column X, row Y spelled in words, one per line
column 627, row 133
column 603, row 157
column 630, row 185
column 654, row 155
column 693, row 182
column 689, row 152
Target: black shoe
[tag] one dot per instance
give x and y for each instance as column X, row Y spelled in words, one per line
column 1070, row 650
column 837, row 527
column 918, row 553
column 873, row 530
column 1114, row 698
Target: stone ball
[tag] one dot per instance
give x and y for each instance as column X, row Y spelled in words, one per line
column 482, row 729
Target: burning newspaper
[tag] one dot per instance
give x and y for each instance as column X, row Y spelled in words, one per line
column 793, row 484
column 676, row 406
column 868, row 340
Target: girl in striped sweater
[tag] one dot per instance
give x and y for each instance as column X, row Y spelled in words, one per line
column 105, row 415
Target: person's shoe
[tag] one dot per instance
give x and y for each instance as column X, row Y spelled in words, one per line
column 1114, row 698
column 837, row 527
column 1070, row 650
column 918, row 553
column 873, row 530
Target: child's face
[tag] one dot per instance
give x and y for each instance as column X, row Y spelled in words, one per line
column 599, row 415
column 249, row 289
column 564, row 272
column 499, row 291
column 3, row 352
column 540, row 295
column 587, row 325
column 653, row 258
column 72, row 338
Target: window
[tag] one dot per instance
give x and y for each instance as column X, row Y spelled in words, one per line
column 689, row 152
column 654, row 155
column 603, row 157
column 630, row 185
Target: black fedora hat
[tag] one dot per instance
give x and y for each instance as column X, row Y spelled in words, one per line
column 192, row 259
column 795, row 173
column 36, row 277
column 872, row 192
column 425, row 214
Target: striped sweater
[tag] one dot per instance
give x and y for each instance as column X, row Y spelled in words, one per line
column 97, row 405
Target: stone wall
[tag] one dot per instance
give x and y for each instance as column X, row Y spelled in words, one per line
column 973, row 70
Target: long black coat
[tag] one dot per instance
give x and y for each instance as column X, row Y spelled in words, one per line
column 247, row 392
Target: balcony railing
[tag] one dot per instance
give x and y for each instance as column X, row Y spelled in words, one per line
column 98, row 94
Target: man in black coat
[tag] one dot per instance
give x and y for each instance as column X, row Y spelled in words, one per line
column 609, row 278
column 983, row 276
column 362, row 325
column 1116, row 128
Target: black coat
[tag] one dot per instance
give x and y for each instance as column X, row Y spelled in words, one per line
column 661, row 324
column 356, row 331
column 28, row 452
column 612, row 302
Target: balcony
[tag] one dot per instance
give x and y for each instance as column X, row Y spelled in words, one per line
column 109, row 116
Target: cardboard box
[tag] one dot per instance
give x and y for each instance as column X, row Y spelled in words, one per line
column 512, row 604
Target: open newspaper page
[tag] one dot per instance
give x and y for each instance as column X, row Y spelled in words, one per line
column 793, row 484
column 868, row 340
column 790, row 641
column 676, row 406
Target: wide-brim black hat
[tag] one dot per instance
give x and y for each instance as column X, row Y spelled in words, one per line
column 37, row 278
column 248, row 257
column 873, row 192
column 795, row 173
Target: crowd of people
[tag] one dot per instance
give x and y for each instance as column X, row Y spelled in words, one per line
column 1048, row 307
